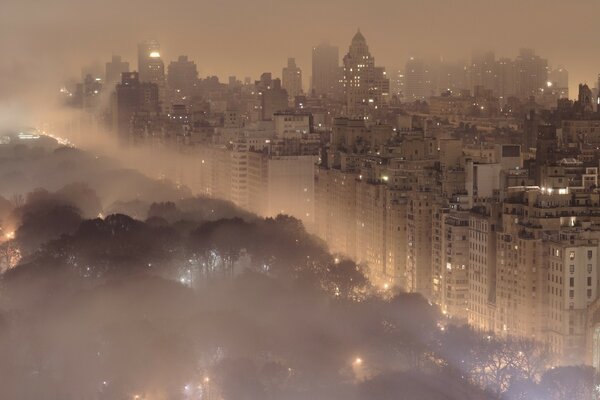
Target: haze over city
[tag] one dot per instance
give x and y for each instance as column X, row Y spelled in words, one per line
column 53, row 40
column 277, row 200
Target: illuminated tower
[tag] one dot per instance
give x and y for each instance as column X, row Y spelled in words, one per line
column 146, row 51
column 366, row 86
column 151, row 66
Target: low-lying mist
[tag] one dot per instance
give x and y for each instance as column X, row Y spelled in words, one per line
column 120, row 286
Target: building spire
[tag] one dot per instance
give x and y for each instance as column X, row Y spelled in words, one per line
column 358, row 37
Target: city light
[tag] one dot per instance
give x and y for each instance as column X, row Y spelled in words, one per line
column 219, row 214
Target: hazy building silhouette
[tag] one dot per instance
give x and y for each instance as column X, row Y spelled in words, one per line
column 182, row 78
column 559, row 77
column 273, row 99
column 482, row 71
column 414, row 80
column 325, row 70
column 132, row 96
column 291, row 77
column 114, row 69
column 507, row 78
column 91, row 90
column 531, row 73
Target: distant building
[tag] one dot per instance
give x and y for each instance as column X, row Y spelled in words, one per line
column 132, row 96
column 182, row 78
column 291, row 125
column 114, row 69
column 482, row 71
column 325, row 70
column 92, row 88
column 147, row 51
column 558, row 78
column 531, row 73
column 506, row 85
column 151, row 67
column 414, row 81
column 366, row 87
column 291, row 77
column 273, row 99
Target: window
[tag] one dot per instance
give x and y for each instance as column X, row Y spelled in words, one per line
column 589, row 281
column 571, row 293
column 589, row 293
column 590, row 254
column 571, row 282
column 572, row 268
column 589, row 268
column 571, row 255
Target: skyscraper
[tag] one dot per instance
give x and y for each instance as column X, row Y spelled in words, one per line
column 114, row 69
column 132, row 96
column 325, row 70
column 482, row 71
column 414, row 80
column 507, row 78
column 182, row 78
column 532, row 73
column 292, row 78
column 366, row 87
column 151, row 66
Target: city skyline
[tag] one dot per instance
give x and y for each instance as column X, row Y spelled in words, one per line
column 451, row 34
column 229, row 200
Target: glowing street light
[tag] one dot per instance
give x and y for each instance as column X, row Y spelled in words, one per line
column 358, row 361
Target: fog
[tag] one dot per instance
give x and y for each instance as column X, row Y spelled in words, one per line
column 119, row 279
column 45, row 42
column 196, row 299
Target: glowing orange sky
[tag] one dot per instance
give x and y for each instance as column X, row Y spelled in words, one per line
column 244, row 38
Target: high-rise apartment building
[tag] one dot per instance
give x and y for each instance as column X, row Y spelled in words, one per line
column 450, row 261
